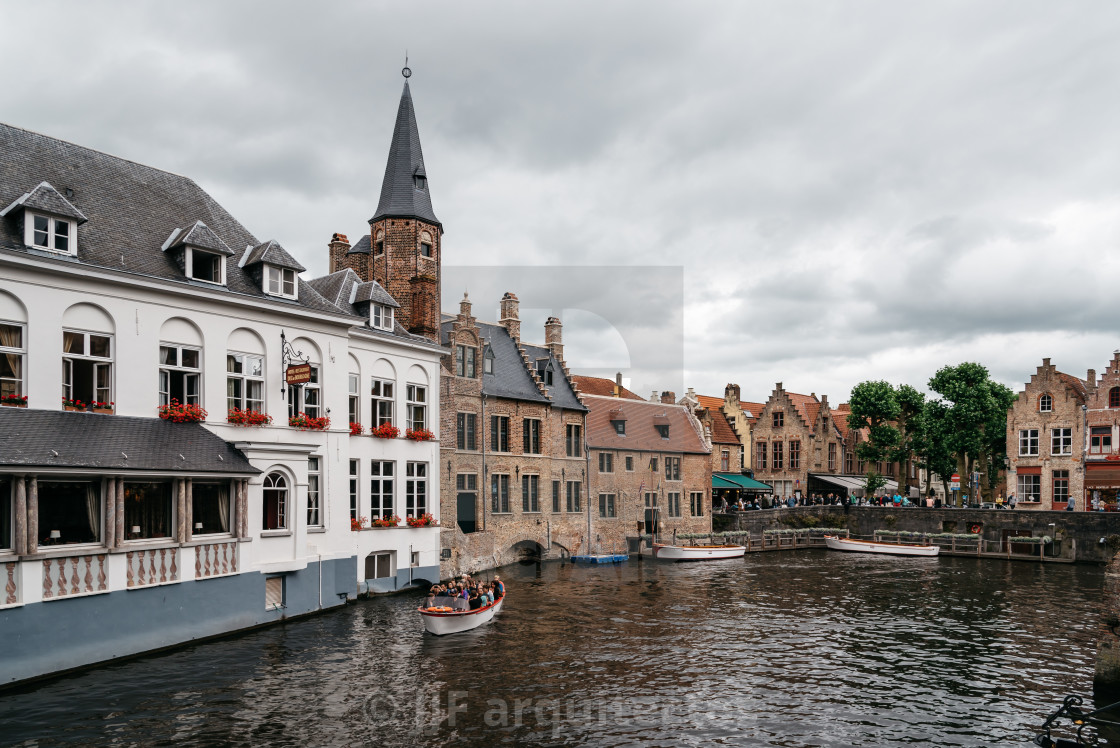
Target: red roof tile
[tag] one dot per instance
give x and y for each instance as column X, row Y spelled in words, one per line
column 601, row 386
column 1074, row 383
column 709, row 402
column 753, row 408
column 641, row 435
column 807, row 406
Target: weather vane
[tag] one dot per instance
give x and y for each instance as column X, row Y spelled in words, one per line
column 406, row 71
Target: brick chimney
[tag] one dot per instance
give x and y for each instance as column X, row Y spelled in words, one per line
column 1091, row 378
column 668, row 398
column 338, row 247
column 618, row 384
column 465, row 307
column 1045, row 363
column 508, row 316
column 553, row 338
column 731, row 392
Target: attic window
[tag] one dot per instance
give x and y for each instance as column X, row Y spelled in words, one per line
column 381, row 316
column 280, row 282
column 205, row 266
column 1045, row 404
column 663, row 430
column 487, row 360
column 50, row 233
column 544, row 370
column 619, row 427
column 419, row 181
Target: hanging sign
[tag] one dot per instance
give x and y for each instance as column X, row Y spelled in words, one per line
column 298, row 374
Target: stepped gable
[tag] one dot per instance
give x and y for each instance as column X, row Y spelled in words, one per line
column 642, row 418
column 511, row 378
column 722, row 430
column 561, row 392
column 130, row 210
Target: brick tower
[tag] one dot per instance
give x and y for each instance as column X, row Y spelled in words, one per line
column 406, row 238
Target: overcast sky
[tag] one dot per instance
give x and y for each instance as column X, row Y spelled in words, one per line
column 850, row 190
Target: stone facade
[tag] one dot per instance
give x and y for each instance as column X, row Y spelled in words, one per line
column 1046, row 440
column 791, row 439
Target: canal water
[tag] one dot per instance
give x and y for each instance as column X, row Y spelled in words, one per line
column 799, row 648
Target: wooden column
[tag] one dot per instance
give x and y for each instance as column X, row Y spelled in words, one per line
column 182, row 522
column 21, row 516
column 32, row 515
column 242, row 508
column 110, row 513
column 119, row 516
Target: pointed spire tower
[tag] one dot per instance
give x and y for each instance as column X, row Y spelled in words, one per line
column 405, row 235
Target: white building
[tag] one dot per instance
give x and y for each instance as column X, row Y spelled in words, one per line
column 121, row 532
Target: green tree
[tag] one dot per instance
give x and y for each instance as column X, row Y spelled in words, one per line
column 974, row 419
column 875, row 407
column 910, row 425
column 935, row 454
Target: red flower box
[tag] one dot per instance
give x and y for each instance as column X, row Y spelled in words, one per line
column 419, row 435
column 178, row 412
column 355, row 429
column 304, row 422
column 357, row 523
column 385, row 431
column 16, row 401
column 239, row 417
column 424, row 520
column 391, row 521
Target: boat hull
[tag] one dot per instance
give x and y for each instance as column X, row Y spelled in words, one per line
column 697, row 552
column 455, row 622
column 889, row 549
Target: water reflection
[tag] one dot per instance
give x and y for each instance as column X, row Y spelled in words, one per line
column 785, row 649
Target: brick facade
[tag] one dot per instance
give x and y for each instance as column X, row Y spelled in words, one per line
column 1102, row 427
column 799, row 427
column 399, row 263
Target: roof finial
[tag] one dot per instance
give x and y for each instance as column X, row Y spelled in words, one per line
column 406, row 71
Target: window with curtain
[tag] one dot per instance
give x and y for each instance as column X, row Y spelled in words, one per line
column 314, row 509
column 244, row 382
column 87, row 366
column 148, row 510
column 306, row 398
column 210, row 508
column 70, row 508
column 179, row 373
column 275, row 495
column 12, row 351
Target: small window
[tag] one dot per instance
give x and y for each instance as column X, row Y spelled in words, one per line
column 381, row 397
column 381, row 489
column 779, row 419
column 50, row 233
column 205, row 266
column 663, row 430
column 275, row 515
column 87, row 367
column 379, row 243
column 273, row 593
column 1100, row 440
column 314, row 508
column 795, row 455
column 1061, row 486
column 12, row 351
column 674, row 504
column 619, row 427
column 353, row 490
column 416, row 489
column 573, row 441
column 573, row 495
column 379, row 565
column 630, row 463
column 499, row 433
column 465, row 431
column 606, row 462
column 1028, row 443
column 417, row 407
column 544, row 371
column 179, row 374
column 1045, row 404
column 420, row 181
column 466, row 357
column 381, row 316
column 1061, row 441
column 355, row 401
column 696, row 503
column 555, row 496
column 281, row 282
column 725, row 460
column 531, row 436
column 244, row 382
column 530, row 499
column 499, row 493
column 488, row 361
column 425, row 249
column 1114, row 397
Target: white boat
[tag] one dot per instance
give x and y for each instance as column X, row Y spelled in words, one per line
column 697, row 552
column 869, row 546
column 440, row 622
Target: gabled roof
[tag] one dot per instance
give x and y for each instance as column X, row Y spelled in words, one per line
column 641, row 434
column 46, row 199
column 808, row 407
column 199, row 235
column 272, row 253
column 400, row 196
column 709, row 402
column 560, row 390
column 56, row 438
column 371, row 291
column 722, row 432
column 131, row 209
column 336, row 287
column 601, row 386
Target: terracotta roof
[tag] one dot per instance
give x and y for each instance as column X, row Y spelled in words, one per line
column 840, row 418
column 1074, row 383
column 601, row 386
column 709, row 402
column 722, row 433
column 753, row 408
column 641, row 416
column 807, row 406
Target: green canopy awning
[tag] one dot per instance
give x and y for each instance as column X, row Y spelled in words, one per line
column 741, row 482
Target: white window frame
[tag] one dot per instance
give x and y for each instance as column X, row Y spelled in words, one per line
column 354, row 482
column 416, row 405
column 245, row 378
column 381, row 392
column 381, row 316
column 188, row 261
column 382, row 477
column 280, row 282
column 1054, row 478
column 314, row 492
column 1045, row 403
column 270, row 484
column 52, row 232
column 189, row 374
column 1029, row 487
column 416, row 488
column 102, row 393
column 353, row 387
column 1028, row 442
column 306, row 397
column 15, row 385
column 1061, row 441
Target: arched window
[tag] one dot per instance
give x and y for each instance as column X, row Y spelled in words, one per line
column 1114, row 397
column 1045, row 404
column 275, row 502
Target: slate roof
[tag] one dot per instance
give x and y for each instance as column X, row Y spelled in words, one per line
column 199, row 235
column 131, row 210
column 336, row 286
column 400, row 198
column 339, row 287
column 361, row 247
column 372, row 291
column 641, row 435
column 47, row 199
column 272, row 253
column 61, row 439
column 561, row 392
column 600, row 386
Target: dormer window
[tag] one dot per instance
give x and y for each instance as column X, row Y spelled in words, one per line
column 381, row 316
column 50, row 233
column 280, row 282
column 544, row 370
column 663, row 431
column 619, row 427
column 205, row 266
column 419, row 181
column 488, row 360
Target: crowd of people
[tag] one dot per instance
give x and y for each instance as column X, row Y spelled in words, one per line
column 465, row 594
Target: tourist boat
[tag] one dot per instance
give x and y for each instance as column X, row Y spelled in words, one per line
column 868, row 546
column 697, row 552
column 446, row 621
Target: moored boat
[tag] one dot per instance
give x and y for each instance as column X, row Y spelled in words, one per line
column 443, row 620
column 837, row 543
column 697, row 552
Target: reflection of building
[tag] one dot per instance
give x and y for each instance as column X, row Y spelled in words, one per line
column 124, row 288
column 1046, row 439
